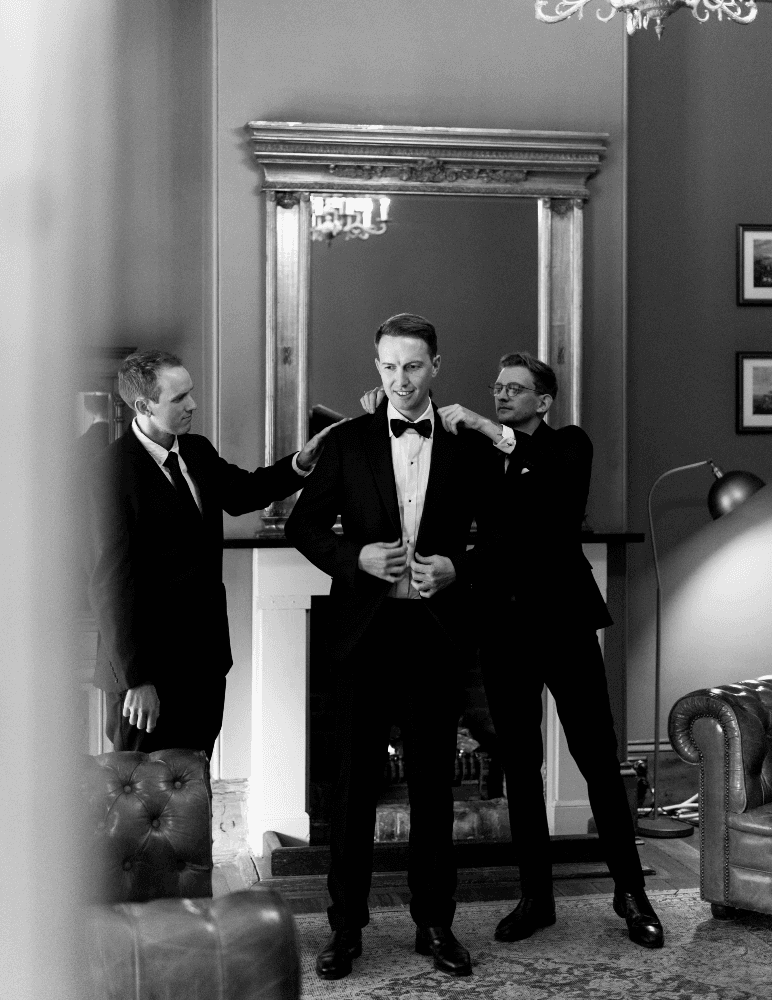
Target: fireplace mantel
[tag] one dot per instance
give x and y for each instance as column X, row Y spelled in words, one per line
column 283, row 584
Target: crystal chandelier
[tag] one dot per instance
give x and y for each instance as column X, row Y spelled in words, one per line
column 640, row 12
column 352, row 218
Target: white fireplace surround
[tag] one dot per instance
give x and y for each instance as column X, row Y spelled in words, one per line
column 283, row 584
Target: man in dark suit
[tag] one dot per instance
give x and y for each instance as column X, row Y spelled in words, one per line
column 399, row 483
column 538, row 609
column 156, row 585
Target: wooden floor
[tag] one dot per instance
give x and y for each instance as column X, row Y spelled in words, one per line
column 675, row 864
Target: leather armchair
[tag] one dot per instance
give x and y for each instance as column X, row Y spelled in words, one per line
column 153, row 929
column 727, row 731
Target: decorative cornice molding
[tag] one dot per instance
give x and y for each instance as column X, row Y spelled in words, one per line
column 429, row 172
column 296, row 156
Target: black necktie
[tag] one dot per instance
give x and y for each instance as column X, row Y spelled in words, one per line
column 424, row 427
column 172, row 463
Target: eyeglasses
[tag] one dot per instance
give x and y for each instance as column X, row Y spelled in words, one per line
column 512, row 389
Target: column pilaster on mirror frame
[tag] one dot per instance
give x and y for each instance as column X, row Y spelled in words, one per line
column 288, row 272
column 560, row 302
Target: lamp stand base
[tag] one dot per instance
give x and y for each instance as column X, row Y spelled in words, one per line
column 663, row 826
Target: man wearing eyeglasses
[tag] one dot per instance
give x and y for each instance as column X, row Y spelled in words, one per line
column 539, row 608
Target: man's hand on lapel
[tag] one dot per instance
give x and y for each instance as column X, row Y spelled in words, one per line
column 431, row 573
column 142, row 706
column 386, row 560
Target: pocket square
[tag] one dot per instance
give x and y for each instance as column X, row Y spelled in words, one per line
column 524, row 470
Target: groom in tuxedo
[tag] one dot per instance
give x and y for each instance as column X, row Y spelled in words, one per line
column 400, row 484
column 156, row 590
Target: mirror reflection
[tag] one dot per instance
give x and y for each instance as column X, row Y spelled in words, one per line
column 468, row 264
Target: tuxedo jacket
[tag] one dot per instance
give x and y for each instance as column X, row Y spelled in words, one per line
column 354, row 478
column 529, row 543
column 156, row 585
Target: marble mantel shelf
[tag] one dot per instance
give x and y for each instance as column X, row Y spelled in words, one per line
column 280, row 542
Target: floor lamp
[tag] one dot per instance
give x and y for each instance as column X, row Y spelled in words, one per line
column 727, row 492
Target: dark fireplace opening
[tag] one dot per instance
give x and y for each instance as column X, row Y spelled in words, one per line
column 478, row 774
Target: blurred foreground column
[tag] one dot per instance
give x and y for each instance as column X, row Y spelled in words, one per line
column 54, row 78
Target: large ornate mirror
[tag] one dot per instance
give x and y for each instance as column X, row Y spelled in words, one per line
column 479, row 172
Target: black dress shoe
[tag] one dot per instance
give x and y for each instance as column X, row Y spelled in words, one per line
column 334, row 960
column 642, row 922
column 530, row 913
column 449, row 955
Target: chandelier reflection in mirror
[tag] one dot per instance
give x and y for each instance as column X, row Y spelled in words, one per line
column 351, row 218
column 640, row 12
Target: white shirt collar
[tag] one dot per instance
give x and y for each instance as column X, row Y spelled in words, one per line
column 392, row 413
column 157, row 452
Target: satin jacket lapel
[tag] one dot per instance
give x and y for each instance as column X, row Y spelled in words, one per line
column 541, row 442
column 438, row 488
column 379, row 457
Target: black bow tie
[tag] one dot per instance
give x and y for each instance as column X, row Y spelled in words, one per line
column 424, row 427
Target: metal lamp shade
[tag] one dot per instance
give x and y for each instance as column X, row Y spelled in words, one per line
column 730, row 490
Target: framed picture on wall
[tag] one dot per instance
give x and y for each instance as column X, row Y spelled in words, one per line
column 754, row 392
column 754, row 265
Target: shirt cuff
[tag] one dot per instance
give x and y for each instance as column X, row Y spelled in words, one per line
column 507, row 441
column 296, row 468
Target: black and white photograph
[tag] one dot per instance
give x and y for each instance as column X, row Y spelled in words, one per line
column 754, row 265
column 754, row 393
column 385, row 531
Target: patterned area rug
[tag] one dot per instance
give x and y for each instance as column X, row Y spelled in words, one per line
column 586, row 954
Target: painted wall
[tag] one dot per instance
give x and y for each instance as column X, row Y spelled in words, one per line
column 400, row 62
column 717, row 628
column 700, row 153
column 156, row 188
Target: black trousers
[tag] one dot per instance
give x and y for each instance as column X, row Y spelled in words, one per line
column 516, row 664
column 191, row 717
column 403, row 671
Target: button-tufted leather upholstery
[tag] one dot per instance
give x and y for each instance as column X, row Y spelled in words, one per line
column 238, row 947
column 727, row 730
column 150, row 820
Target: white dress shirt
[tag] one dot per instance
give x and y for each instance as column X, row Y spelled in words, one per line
column 158, row 453
column 507, row 443
column 411, row 456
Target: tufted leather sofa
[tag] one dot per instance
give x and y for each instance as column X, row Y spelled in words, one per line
column 727, row 730
column 153, row 929
column 149, row 819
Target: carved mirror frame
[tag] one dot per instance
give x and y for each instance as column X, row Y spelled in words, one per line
column 297, row 159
